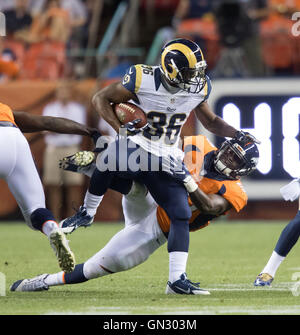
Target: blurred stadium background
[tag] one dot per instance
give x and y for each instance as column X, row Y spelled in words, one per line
column 253, row 53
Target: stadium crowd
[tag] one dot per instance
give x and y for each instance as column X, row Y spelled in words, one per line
column 241, row 38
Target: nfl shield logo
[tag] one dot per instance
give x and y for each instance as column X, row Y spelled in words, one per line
column 172, row 100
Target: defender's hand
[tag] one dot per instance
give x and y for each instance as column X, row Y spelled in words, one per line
column 244, row 136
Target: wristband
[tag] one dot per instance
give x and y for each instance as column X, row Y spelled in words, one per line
column 190, row 184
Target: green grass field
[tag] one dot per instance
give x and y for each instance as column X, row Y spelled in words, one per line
column 224, row 257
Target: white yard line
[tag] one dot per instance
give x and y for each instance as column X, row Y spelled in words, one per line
column 213, row 310
column 283, row 286
column 202, row 310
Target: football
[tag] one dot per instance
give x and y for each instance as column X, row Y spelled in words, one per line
column 127, row 112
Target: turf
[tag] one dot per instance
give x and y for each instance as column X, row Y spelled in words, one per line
column 225, row 257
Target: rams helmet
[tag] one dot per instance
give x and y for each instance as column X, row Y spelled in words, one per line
column 183, row 65
column 235, row 158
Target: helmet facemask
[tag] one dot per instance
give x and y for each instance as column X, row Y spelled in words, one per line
column 193, row 79
column 188, row 79
column 232, row 161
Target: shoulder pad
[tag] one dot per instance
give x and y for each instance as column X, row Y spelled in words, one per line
column 133, row 78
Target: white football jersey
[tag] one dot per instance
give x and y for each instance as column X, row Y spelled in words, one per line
column 166, row 112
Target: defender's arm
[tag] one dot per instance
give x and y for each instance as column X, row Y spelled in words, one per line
column 114, row 93
column 29, row 123
column 209, row 203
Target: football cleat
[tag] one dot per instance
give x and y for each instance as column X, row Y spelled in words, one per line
column 80, row 219
column 263, row 279
column 59, row 244
column 77, row 162
column 30, row 285
column 185, row 286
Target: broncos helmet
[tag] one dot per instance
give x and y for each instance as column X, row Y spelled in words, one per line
column 183, row 65
column 235, row 158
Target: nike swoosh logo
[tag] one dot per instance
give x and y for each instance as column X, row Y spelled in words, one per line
column 185, row 291
column 130, row 71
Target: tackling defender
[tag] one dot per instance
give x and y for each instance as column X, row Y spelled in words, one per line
column 147, row 225
column 288, row 237
column 167, row 94
column 20, row 173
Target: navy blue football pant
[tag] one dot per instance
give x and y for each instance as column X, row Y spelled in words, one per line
column 169, row 193
column 289, row 236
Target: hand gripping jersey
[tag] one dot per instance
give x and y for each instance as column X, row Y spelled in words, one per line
column 6, row 114
column 199, row 154
column 166, row 112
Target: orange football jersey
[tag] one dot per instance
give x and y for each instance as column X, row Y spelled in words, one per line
column 6, row 113
column 196, row 148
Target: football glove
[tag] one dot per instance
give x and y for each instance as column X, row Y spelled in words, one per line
column 244, row 136
column 129, row 129
column 291, row 191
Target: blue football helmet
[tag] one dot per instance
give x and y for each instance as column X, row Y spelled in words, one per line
column 183, row 65
column 235, row 158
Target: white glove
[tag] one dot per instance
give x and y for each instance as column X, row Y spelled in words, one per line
column 291, row 191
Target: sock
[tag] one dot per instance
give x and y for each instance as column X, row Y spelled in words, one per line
column 179, row 235
column 55, row 279
column 76, row 276
column 42, row 219
column 273, row 264
column 49, row 226
column 177, row 264
column 92, row 202
column 289, row 236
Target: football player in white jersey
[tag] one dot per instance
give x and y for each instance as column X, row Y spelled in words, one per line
column 167, row 94
column 18, row 169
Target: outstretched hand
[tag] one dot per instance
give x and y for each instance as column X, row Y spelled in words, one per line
column 244, row 136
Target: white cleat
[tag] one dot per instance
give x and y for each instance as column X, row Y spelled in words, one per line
column 65, row 256
column 30, row 285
